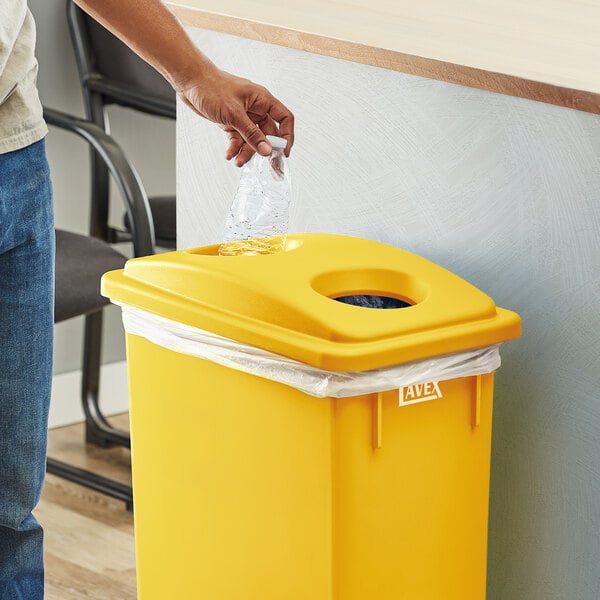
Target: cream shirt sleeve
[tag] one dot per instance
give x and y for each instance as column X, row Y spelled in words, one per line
column 21, row 122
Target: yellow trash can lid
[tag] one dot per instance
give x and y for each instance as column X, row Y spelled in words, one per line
column 286, row 303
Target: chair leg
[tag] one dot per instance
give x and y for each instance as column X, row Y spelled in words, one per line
column 115, row 489
column 98, row 430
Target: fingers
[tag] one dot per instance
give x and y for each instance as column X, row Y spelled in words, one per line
column 242, row 151
column 238, row 148
column 236, row 142
column 279, row 113
column 252, row 134
column 265, row 115
column 244, row 156
column 268, row 125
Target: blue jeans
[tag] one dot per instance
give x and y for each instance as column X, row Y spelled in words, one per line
column 26, row 329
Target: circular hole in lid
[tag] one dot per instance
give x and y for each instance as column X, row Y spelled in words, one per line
column 373, row 301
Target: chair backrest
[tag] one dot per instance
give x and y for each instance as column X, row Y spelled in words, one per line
column 111, row 73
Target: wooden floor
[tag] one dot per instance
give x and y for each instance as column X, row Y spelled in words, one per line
column 89, row 544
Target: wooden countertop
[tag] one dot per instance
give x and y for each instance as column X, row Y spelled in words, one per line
column 546, row 50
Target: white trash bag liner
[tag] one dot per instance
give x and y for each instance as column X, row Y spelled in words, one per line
column 311, row 380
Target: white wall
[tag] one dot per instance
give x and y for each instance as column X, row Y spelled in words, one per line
column 149, row 143
column 506, row 193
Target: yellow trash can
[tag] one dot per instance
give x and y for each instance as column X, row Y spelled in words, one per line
column 288, row 446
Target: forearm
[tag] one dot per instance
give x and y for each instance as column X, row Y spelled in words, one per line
column 246, row 111
column 150, row 29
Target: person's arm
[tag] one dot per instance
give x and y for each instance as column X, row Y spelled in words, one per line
column 151, row 30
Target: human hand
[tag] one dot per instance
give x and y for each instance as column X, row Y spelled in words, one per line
column 247, row 112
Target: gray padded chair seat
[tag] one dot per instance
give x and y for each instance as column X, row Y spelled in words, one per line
column 78, row 286
column 164, row 216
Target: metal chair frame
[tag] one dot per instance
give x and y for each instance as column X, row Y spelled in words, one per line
column 99, row 91
column 142, row 234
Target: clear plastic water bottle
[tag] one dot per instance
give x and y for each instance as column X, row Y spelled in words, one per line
column 258, row 220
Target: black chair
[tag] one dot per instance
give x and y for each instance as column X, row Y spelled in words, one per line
column 80, row 262
column 110, row 73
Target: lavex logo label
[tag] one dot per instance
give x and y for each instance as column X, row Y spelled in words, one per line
column 420, row 392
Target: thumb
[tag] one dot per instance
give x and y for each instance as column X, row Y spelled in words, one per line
column 252, row 134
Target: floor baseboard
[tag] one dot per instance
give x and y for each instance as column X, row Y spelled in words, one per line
column 65, row 406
